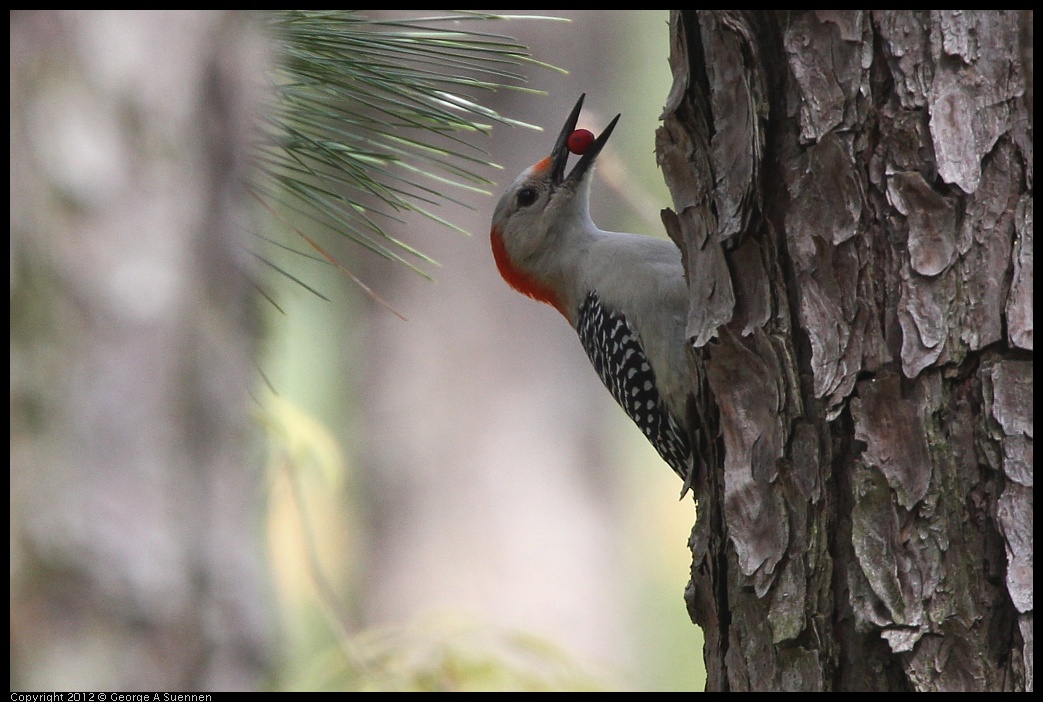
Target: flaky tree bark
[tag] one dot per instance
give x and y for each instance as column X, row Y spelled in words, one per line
column 852, row 194
column 135, row 560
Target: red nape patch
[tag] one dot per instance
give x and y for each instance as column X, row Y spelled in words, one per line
column 519, row 280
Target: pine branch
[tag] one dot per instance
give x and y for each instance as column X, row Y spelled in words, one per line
column 372, row 119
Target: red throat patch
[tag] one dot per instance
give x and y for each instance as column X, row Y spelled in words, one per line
column 519, row 280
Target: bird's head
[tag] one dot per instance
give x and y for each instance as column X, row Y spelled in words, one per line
column 543, row 205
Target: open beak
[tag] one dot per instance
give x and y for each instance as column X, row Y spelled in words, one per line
column 560, row 155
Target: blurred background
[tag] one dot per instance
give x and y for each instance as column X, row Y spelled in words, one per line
column 458, row 486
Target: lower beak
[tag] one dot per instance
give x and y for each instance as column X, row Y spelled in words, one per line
column 560, row 154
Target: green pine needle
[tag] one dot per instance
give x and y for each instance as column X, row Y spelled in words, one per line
column 372, row 116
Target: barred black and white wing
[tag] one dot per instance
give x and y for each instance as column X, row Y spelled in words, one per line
column 615, row 350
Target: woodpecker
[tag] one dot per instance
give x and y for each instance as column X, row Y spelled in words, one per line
column 624, row 294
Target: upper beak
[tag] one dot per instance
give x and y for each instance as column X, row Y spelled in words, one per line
column 560, row 155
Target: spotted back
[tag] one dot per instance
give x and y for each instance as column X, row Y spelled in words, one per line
column 615, row 350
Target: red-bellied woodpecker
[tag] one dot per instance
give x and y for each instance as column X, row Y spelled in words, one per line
column 624, row 294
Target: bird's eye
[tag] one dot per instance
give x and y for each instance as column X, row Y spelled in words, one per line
column 527, row 196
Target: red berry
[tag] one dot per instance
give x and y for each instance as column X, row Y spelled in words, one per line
column 579, row 141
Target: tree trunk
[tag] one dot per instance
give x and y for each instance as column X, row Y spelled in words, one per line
column 852, row 196
column 135, row 561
